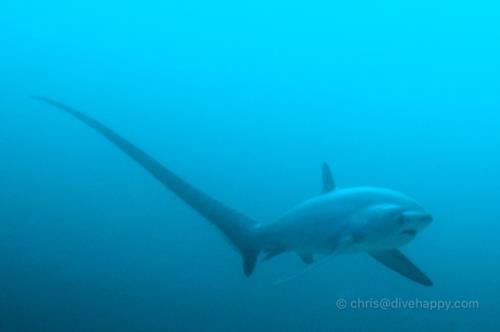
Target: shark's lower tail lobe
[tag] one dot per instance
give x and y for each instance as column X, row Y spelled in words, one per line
column 240, row 230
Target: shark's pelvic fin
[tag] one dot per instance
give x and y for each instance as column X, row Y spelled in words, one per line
column 328, row 182
column 240, row 230
column 306, row 258
column 396, row 261
column 271, row 254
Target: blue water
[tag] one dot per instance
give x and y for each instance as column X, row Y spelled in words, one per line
column 245, row 100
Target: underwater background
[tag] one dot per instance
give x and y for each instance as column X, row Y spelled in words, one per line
column 244, row 99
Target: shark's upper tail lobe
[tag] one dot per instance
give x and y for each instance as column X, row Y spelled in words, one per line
column 240, row 230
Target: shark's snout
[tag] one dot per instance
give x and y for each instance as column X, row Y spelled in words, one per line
column 426, row 219
column 426, row 216
column 417, row 216
column 415, row 221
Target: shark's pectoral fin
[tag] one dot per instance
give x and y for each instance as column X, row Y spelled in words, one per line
column 396, row 261
column 328, row 182
column 306, row 258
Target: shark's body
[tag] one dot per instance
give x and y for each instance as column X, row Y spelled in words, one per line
column 373, row 220
column 336, row 222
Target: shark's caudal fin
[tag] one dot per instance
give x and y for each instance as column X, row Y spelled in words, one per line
column 240, row 230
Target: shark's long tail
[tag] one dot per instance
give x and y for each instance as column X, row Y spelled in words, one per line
column 241, row 231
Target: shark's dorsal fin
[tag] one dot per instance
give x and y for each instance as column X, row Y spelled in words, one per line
column 328, row 182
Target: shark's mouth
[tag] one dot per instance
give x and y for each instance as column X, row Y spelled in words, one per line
column 410, row 232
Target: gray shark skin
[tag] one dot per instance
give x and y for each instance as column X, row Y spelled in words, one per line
column 338, row 221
